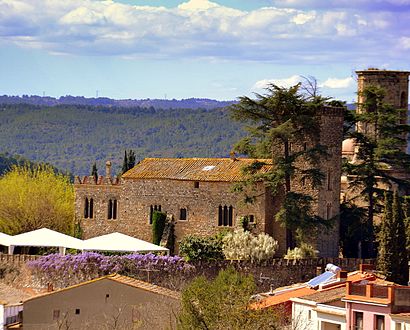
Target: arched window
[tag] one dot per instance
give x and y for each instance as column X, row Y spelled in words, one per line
column 112, row 209
column 225, row 216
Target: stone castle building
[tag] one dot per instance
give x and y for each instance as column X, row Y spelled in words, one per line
column 198, row 193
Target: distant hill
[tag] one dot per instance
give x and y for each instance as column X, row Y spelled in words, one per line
column 73, row 137
column 7, row 161
column 191, row 103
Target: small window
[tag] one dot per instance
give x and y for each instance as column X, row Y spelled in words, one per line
column 91, row 209
column 86, row 206
column 329, row 180
column 309, row 315
column 358, row 321
column 153, row 208
column 398, row 326
column 112, row 209
column 196, row 184
column 56, row 314
column 251, row 218
column 182, row 214
column 77, row 311
column 305, row 146
column 379, row 322
column 328, row 211
column 107, row 295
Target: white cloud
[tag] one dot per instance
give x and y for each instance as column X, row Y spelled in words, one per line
column 335, row 83
column 202, row 28
column 284, row 82
column 404, row 43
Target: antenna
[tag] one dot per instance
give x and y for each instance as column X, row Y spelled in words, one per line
column 44, row 93
column 96, row 93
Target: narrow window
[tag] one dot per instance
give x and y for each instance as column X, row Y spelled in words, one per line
column 403, row 104
column 56, row 314
column 220, row 216
column 329, row 183
column 153, row 208
column 251, row 218
column 305, row 146
column 225, row 216
column 77, row 311
column 91, row 209
column 182, row 214
column 398, row 326
column 114, row 209
column 379, row 322
column 110, row 209
column 328, row 211
column 303, row 181
column 196, row 184
column 358, row 321
column 309, row 315
column 86, row 206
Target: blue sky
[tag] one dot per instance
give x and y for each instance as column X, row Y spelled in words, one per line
column 218, row 49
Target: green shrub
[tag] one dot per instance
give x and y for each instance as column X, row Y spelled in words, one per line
column 158, row 225
column 193, row 247
column 303, row 252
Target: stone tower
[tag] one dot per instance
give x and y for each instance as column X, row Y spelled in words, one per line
column 395, row 85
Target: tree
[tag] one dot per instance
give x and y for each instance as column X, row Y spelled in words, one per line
column 94, row 172
column 277, row 120
column 380, row 140
column 223, row 303
column 158, row 226
column 32, row 198
column 129, row 161
column 392, row 255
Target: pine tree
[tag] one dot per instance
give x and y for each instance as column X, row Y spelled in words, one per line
column 278, row 119
column 94, row 172
column 407, row 223
column 380, row 144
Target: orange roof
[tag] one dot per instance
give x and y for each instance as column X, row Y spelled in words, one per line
column 194, row 169
column 123, row 280
column 280, row 298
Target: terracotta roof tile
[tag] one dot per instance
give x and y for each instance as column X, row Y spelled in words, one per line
column 194, row 169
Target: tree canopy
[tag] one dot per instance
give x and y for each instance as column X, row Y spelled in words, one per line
column 35, row 197
column 277, row 122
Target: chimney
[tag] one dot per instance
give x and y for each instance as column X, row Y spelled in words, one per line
column 232, row 155
column 342, row 275
column 366, row 268
column 108, row 169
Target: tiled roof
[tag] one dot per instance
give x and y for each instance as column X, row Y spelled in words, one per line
column 194, row 169
column 144, row 285
column 299, row 292
column 327, row 296
column 123, row 280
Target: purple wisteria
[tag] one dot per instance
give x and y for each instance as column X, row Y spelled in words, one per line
column 66, row 270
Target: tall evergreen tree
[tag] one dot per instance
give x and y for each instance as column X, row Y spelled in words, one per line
column 125, row 163
column 94, row 171
column 131, row 159
column 380, row 142
column 277, row 120
column 392, row 256
column 407, row 223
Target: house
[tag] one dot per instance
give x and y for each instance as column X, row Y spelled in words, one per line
column 114, row 301
column 199, row 194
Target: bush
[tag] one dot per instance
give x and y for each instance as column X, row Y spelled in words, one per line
column 193, row 247
column 242, row 245
column 303, row 252
column 158, row 225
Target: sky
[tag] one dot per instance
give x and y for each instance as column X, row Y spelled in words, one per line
column 178, row 49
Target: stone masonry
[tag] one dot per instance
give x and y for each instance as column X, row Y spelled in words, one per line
column 204, row 186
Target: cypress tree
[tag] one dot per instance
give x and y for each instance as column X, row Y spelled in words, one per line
column 125, row 163
column 94, row 172
column 158, row 226
column 400, row 265
column 386, row 246
column 131, row 159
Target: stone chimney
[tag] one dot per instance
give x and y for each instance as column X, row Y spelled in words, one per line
column 108, row 169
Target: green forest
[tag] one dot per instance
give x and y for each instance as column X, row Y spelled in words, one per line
column 73, row 137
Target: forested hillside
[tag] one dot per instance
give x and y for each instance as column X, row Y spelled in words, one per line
column 72, row 137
